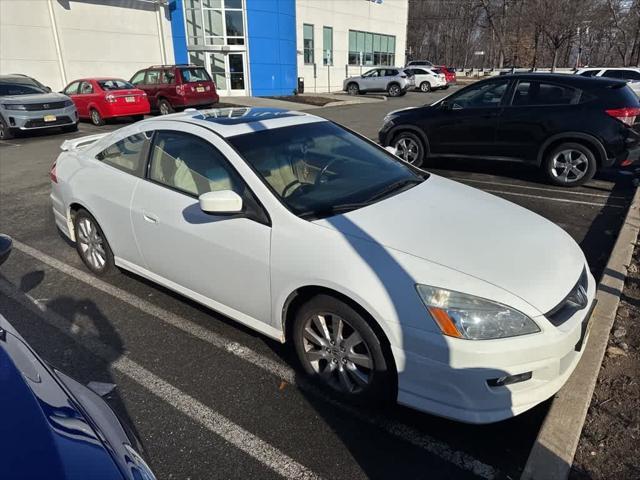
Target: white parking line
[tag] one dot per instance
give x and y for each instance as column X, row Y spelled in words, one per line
column 554, row 199
column 527, row 187
column 284, row 372
column 216, row 423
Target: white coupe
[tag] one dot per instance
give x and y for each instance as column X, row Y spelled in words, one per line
column 390, row 282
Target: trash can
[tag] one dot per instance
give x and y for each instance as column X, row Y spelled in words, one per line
column 300, row 84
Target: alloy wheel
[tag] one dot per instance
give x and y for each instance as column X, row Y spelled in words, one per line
column 95, row 117
column 569, row 165
column 91, row 244
column 407, row 149
column 394, row 90
column 164, row 108
column 425, row 87
column 337, row 353
column 353, row 89
column 2, row 130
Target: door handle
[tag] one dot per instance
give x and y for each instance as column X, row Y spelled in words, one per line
column 150, row 218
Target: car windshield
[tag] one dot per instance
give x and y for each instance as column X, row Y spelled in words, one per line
column 191, row 75
column 320, row 169
column 19, row 89
column 114, row 84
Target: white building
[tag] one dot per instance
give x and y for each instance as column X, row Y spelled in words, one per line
column 250, row 47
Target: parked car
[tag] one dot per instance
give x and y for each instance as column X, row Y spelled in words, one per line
column 426, row 79
column 53, row 426
column 99, row 99
column 392, row 80
column 628, row 74
column 26, row 104
column 568, row 125
column 174, row 87
column 449, row 74
column 389, row 282
column 419, row 63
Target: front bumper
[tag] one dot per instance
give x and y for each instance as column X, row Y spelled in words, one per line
column 449, row 377
column 36, row 120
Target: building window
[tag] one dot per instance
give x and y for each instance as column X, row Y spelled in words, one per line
column 371, row 48
column 327, row 45
column 308, row 43
column 214, row 22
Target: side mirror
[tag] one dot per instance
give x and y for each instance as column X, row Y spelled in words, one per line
column 5, row 247
column 391, row 150
column 222, row 202
column 47, row 89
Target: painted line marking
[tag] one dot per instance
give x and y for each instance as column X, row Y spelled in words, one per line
column 554, row 199
column 216, row 423
column 398, row 429
column 515, row 185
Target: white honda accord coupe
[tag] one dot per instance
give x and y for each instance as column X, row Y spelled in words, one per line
column 390, row 282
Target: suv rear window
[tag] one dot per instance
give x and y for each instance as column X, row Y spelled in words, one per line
column 195, row 74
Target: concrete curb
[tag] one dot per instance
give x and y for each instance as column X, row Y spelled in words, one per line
column 552, row 454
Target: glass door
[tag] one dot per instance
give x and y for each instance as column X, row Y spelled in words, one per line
column 228, row 72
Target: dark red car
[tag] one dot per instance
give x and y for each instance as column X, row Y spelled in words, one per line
column 100, row 98
column 449, row 74
column 174, row 87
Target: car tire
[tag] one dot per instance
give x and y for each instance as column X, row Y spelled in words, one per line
column 410, row 147
column 570, row 164
column 354, row 367
column 96, row 118
column 91, row 243
column 353, row 89
column 394, row 90
column 164, row 107
column 70, row 128
column 5, row 131
column 425, row 87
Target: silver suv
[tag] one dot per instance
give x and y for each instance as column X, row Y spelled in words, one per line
column 392, row 80
column 26, row 104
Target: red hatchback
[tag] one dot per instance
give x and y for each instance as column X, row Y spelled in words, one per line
column 100, row 98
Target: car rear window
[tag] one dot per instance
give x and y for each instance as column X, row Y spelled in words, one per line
column 198, row 74
column 114, row 84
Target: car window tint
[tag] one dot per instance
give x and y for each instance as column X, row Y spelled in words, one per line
column 114, row 84
column 190, row 164
column 420, row 71
column 72, row 89
column 482, row 95
column 529, row 93
column 391, row 72
column 622, row 74
column 138, row 78
column 371, row 73
column 86, row 88
column 153, row 76
column 168, row 76
column 589, row 73
column 195, row 75
column 127, row 154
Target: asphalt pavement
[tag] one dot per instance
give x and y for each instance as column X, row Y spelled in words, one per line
column 211, row 399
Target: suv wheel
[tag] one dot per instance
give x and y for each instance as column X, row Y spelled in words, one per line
column 394, row 90
column 410, row 148
column 570, row 164
column 5, row 131
column 338, row 348
column 96, row 118
column 164, row 107
column 425, row 87
column 353, row 89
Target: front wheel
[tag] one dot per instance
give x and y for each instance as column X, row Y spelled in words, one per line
column 91, row 244
column 410, row 148
column 425, row 87
column 5, row 131
column 570, row 164
column 338, row 348
column 353, row 89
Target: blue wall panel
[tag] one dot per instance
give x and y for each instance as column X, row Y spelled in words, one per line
column 177, row 32
column 272, row 46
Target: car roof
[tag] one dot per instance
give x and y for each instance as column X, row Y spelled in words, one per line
column 608, row 68
column 576, row 80
column 232, row 121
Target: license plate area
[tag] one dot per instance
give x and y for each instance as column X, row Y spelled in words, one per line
column 585, row 327
column 129, row 99
column 49, row 118
column 199, row 89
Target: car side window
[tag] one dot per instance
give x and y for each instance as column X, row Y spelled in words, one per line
column 481, row 95
column 128, row 154
column 622, row 74
column 391, row 72
column 168, row 77
column 371, row 73
column 153, row 77
column 589, row 73
column 72, row 89
column 530, row 93
column 138, row 78
column 191, row 165
column 85, row 88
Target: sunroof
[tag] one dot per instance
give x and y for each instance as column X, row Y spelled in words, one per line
column 238, row 115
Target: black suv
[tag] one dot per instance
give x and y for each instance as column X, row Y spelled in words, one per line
column 568, row 125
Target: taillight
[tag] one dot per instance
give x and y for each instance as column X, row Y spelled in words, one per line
column 627, row 115
column 52, row 173
column 110, row 98
column 180, row 89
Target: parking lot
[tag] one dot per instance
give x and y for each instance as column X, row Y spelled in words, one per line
column 212, row 399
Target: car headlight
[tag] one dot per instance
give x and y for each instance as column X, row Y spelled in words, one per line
column 473, row 318
column 68, row 103
column 11, row 106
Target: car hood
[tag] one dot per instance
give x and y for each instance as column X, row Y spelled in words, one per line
column 475, row 233
column 34, row 98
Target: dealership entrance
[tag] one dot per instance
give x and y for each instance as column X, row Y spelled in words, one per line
column 228, row 70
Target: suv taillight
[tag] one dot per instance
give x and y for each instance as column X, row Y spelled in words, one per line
column 180, row 89
column 627, row 115
column 52, row 172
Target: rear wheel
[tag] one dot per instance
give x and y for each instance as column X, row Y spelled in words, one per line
column 394, row 90
column 425, row 87
column 410, row 148
column 91, row 244
column 353, row 89
column 338, row 348
column 5, row 131
column 164, row 107
column 96, row 118
column 570, row 164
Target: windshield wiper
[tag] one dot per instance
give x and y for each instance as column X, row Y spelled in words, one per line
column 394, row 187
column 333, row 210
